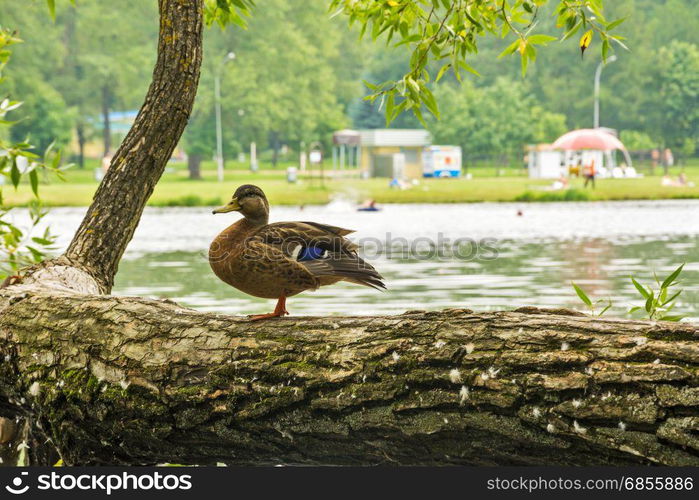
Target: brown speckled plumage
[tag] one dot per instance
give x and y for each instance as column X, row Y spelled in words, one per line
column 261, row 259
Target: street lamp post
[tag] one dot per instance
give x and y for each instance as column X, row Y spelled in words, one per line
column 598, row 74
column 217, row 98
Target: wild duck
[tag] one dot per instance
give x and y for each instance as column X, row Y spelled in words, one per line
column 280, row 260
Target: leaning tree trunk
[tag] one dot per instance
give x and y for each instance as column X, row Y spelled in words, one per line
column 91, row 261
column 134, row 381
column 140, row 161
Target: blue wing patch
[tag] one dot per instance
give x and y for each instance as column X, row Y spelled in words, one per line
column 310, row 253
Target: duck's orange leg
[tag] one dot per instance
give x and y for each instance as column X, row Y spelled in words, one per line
column 279, row 311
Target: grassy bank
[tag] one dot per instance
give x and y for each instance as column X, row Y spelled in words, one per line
column 175, row 189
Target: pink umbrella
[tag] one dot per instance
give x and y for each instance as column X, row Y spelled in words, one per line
column 588, row 138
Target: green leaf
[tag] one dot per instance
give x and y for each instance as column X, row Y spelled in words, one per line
column 670, row 279
column 605, row 49
column 618, row 40
column 672, row 317
column 468, row 68
column 430, row 102
column 649, row 302
column 223, row 5
column 389, row 108
column 413, row 86
column 34, row 181
column 418, row 115
column 616, row 23
column 52, row 8
column 42, row 241
column 668, row 301
column 573, row 30
column 371, row 86
column 525, row 63
column 581, row 293
column 441, row 72
column 541, row 39
column 400, row 108
column 609, row 304
column 641, row 289
column 510, row 49
column 473, row 21
column 56, row 160
column 14, row 174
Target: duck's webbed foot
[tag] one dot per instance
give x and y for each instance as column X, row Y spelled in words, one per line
column 279, row 311
column 11, row 280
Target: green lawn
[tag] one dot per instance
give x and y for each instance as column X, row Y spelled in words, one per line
column 175, row 189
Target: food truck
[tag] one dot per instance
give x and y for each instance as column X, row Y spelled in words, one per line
column 441, row 161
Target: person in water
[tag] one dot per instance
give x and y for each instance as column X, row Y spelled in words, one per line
column 368, row 206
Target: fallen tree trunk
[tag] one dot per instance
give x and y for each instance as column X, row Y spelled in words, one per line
column 134, row 381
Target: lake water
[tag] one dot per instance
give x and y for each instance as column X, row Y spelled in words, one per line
column 481, row 256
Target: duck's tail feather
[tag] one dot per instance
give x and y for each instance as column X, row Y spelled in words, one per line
column 350, row 268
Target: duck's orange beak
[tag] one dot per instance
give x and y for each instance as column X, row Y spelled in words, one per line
column 231, row 207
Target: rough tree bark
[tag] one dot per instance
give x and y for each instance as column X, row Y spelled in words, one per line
column 136, row 381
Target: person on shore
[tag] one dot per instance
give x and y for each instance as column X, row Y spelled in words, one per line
column 106, row 162
column 667, row 181
column 654, row 158
column 590, row 174
column 668, row 160
column 560, row 183
column 681, row 181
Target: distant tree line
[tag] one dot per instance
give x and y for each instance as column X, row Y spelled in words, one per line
column 297, row 76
